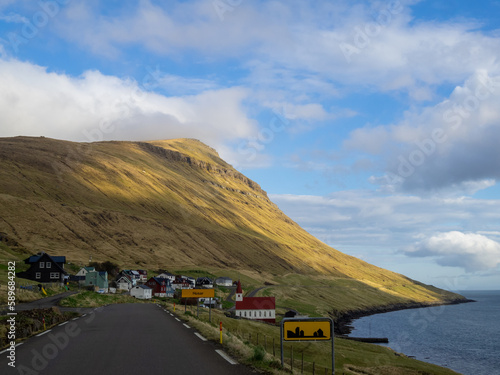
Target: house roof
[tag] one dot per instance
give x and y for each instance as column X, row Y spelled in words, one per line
column 256, row 303
column 203, row 280
column 55, row 259
column 125, row 277
column 159, row 280
column 224, row 278
column 142, row 287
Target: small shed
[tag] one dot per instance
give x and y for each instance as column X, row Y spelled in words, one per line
column 141, row 292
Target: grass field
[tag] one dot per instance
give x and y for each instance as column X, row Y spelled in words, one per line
column 243, row 338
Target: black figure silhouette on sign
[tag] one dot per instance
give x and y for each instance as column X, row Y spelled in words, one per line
column 300, row 334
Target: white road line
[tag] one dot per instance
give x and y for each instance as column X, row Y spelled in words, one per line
column 63, row 324
column 43, row 333
column 84, row 315
column 3, row 351
column 74, row 319
column 185, row 325
column 226, row 357
column 177, row 319
column 200, row 336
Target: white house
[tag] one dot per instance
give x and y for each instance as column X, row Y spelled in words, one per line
column 168, row 276
column 141, row 292
column 124, row 283
column 224, row 281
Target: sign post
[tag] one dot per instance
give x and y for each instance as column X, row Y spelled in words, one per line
column 220, row 328
column 307, row 329
column 199, row 293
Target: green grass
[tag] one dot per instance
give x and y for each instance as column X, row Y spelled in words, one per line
column 246, row 339
column 93, row 299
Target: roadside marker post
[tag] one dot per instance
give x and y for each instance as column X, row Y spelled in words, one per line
column 307, row 329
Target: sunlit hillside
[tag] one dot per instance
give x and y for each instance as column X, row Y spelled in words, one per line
column 169, row 204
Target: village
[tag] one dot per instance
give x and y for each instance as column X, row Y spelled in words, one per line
column 44, row 268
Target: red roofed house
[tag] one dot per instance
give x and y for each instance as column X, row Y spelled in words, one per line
column 255, row 308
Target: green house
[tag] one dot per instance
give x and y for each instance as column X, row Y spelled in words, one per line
column 98, row 279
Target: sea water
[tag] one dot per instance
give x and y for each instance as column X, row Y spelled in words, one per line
column 464, row 337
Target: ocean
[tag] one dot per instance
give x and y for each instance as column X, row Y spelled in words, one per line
column 464, row 337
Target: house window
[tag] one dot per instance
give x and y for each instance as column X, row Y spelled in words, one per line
column 41, row 265
column 38, row 275
column 260, row 314
column 264, row 314
column 48, row 265
column 54, row 275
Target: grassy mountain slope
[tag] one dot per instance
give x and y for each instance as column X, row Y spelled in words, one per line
column 176, row 205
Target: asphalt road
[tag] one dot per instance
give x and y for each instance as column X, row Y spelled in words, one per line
column 44, row 303
column 126, row 339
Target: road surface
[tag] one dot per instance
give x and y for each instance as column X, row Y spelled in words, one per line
column 121, row 339
column 43, row 303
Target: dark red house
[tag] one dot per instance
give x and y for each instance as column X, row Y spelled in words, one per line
column 161, row 287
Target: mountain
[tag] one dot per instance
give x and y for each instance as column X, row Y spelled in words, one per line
column 172, row 204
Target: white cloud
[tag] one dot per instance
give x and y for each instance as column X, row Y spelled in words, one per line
column 95, row 107
column 448, row 146
column 363, row 219
column 395, row 53
column 471, row 251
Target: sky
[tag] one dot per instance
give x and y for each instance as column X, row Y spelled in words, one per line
column 372, row 124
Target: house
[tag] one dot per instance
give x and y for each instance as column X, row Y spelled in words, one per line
column 80, row 275
column 84, row 270
column 129, row 275
column 191, row 281
column 141, row 292
column 204, row 282
column 167, row 275
column 98, row 279
column 124, row 282
column 181, row 283
column 224, row 281
column 160, row 287
column 136, row 275
column 255, row 308
column 45, row 268
column 143, row 275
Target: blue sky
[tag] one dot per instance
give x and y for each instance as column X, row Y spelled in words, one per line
column 372, row 124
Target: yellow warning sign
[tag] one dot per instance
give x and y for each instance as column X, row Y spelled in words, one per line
column 303, row 330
